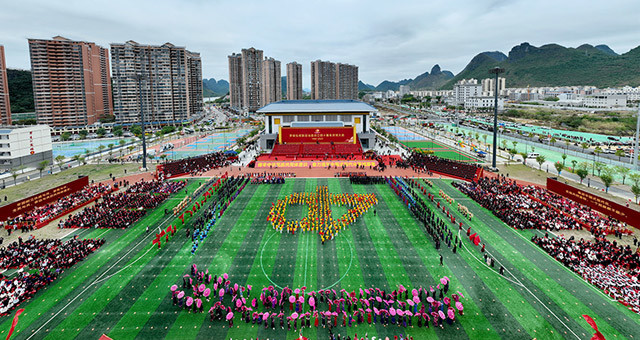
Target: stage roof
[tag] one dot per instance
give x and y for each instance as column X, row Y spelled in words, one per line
column 317, row 106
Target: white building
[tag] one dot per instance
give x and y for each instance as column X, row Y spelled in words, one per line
column 489, row 85
column 605, row 100
column 404, row 89
column 25, row 146
column 464, row 89
column 479, row 102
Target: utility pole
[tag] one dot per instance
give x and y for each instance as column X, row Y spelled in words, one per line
column 635, row 150
column 495, row 71
column 139, row 78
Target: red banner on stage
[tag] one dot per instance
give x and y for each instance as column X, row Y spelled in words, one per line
column 16, row 208
column 597, row 203
column 317, row 134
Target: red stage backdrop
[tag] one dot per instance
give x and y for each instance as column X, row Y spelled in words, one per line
column 605, row 206
column 16, row 208
column 317, row 134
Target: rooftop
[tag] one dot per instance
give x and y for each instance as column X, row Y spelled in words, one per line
column 302, row 106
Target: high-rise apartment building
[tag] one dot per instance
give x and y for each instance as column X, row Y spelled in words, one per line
column 346, row 81
column 235, row 81
column 171, row 84
column 251, row 76
column 71, row 82
column 5, row 106
column 271, row 82
column 489, row 85
column 333, row 81
column 294, row 81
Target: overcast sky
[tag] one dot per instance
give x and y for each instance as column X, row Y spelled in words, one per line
column 386, row 39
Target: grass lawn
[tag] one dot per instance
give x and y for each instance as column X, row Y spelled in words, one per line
column 440, row 150
column 123, row 289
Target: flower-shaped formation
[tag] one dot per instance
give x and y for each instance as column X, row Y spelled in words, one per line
column 319, row 219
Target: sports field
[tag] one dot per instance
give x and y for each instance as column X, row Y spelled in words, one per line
column 123, row 289
column 215, row 142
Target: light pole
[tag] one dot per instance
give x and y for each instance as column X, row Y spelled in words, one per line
column 495, row 71
column 139, row 78
column 635, row 150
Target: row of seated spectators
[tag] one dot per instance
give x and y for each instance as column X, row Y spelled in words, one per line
column 605, row 264
column 579, row 211
column 269, row 179
column 507, row 201
column 197, row 164
column 51, row 210
column 123, row 209
column 522, row 207
column 50, row 257
column 423, row 162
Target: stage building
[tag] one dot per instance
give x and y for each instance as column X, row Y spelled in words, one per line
column 344, row 124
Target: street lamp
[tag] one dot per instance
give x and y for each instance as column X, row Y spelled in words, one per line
column 139, row 78
column 495, row 71
column 635, row 151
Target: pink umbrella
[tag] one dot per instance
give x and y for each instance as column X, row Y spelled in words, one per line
column 447, row 301
column 207, row 292
column 226, row 276
column 297, row 291
column 451, row 313
column 366, row 302
column 198, row 303
column 215, row 286
column 201, row 288
column 292, row 299
column 459, row 306
column 430, row 299
column 265, row 315
column 368, row 310
column 392, row 311
column 327, row 313
column 399, row 312
column 235, row 286
column 229, row 315
column 416, row 299
column 221, row 292
column 410, row 302
column 220, row 280
column 441, row 314
column 414, row 292
column 443, row 281
column 366, row 291
column 379, row 299
column 460, row 294
column 249, row 287
column 238, row 303
column 375, row 310
column 301, row 299
column 174, row 287
column 408, row 313
column 401, row 289
column 294, row 315
column 180, row 295
column 312, row 301
column 189, row 301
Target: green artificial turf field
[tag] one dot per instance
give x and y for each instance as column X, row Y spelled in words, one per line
column 440, row 150
column 123, row 289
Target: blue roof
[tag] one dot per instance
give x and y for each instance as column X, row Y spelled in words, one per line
column 307, row 106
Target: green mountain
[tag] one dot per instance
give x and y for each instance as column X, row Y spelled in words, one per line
column 365, row 87
column 555, row 65
column 425, row 81
column 20, row 91
column 213, row 88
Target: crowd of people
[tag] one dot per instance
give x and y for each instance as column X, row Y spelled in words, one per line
column 367, row 179
column 320, row 220
column 611, row 267
column 196, row 165
column 123, row 209
column 27, row 221
column 424, row 163
column 294, row 309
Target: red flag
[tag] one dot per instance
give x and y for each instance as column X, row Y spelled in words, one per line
column 476, row 240
column 15, row 322
column 472, row 236
column 592, row 323
column 182, row 218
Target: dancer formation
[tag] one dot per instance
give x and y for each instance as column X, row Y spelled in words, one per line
column 320, row 219
column 294, row 309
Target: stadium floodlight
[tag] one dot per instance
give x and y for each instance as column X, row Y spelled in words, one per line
column 139, row 78
column 496, row 71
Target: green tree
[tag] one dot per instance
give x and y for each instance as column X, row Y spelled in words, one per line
column 573, row 163
column 564, row 158
column 515, row 145
column 60, row 160
column 111, row 145
column 101, row 132
column 584, row 146
column 635, row 178
column 540, row 159
column 524, row 157
column 599, row 166
column 14, row 173
column 635, row 189
column 619, row 153
column 83, row 133
column 65, row 136
column 117, row 131
column 512, row 153
column 566, row 143
column 41, row 166
column 100, row 148
column 136, row 130
column 485, row 139
column 121, row 143
column 606, row 179
column 623, row 171
column 582, row 173
column 504, row 144
column 559, row 167
column 553, row 140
